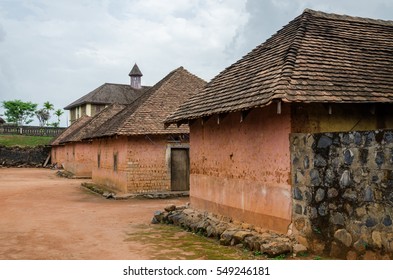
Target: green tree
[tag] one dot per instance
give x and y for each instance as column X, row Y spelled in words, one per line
column 58, row 113
column 43, row 115
column 19, row 112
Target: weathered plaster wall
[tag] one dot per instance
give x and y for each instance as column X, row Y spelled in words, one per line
column 315, row 118
column 343, row 192
column 104, row 171
column 79, row 158
column 58, row 154
column 242, row 170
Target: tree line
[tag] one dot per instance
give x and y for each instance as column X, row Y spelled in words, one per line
column 20, row 113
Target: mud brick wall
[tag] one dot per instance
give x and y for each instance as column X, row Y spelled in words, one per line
column 342, row 192
column 23, row 156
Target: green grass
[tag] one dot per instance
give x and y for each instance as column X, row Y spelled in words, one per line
column 24, row 141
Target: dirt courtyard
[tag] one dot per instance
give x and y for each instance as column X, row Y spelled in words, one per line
column 47, row 217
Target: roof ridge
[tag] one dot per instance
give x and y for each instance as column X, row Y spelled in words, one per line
column 293, row 49
column 348, row 18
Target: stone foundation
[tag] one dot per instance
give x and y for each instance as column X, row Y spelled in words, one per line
column 343, row 193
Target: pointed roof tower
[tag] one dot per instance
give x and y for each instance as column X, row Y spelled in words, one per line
column 135, row 76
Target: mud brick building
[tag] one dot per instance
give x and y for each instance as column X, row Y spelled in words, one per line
column 319, row 73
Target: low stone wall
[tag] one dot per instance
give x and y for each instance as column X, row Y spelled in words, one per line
column 244, row 235
column 343, row 193
column 23, row 156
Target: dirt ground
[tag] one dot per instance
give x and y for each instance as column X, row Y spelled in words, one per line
column 47, row 217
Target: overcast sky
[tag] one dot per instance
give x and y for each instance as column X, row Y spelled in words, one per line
column 59, row 50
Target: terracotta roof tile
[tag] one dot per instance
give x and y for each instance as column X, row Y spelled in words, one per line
column 147, row 113
column 317, row 57
column 93, row 124
column 70, row 130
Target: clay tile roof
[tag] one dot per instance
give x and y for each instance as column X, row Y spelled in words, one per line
column 70, row 130
column 93, row 124
column 108, row 94
column 135, row 71
column 317, row 57
column 146, row 115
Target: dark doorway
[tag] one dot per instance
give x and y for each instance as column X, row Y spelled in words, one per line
column 180, row 169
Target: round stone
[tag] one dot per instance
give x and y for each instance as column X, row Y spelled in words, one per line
column 348, row 157
column 324, row 142
column 379, row 158
column 319, row 195
column 297, row 194
column 344, row 237
column 387, row 221
column 332, row 192
column 323, row 209
column 345, row 179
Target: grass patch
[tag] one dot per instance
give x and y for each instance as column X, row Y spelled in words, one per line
column 173, row 243
column 24, row 141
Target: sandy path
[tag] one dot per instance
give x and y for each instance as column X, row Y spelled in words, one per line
column 47, row 217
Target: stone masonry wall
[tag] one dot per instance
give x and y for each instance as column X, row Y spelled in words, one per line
column 342, row 191
column 24, row 156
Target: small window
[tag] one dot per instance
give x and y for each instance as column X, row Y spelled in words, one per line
column 98, row 160
column 115, row 162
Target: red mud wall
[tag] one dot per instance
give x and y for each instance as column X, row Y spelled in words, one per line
column 58, row 155
column 142, row 164
column 242, row 170
column 79, row 158
column 106, row 173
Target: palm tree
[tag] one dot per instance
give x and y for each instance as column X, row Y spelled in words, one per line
column 48, row 106
column 58, row 113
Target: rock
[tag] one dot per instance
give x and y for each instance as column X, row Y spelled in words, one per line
column 344, row 237
column 324, row 142
column 360, row 246
column 337, row 219
column 379, row 158
column 323, row 209
column 300, row 224
column 252, row 243
column 368, row 195
column 388, row 137
column 350, row 195
column 306, row 162
column 352, row 255
column 158, row 216
column 357, row 138
column 226, row 237
column 332, row 192
column 315, row 178
column 299, row 248
column 319, row 161
column 298, row 209
column 170, row 208
column 319, row 195
column 348, row 157
column 313, row 213
column 345, row 179
column 371, row 222
column 370, row 138
column 377, row 239
column 297, row 194
column 387, row 221
column 273, row 249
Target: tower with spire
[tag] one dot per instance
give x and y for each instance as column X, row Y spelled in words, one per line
column 135, row 76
